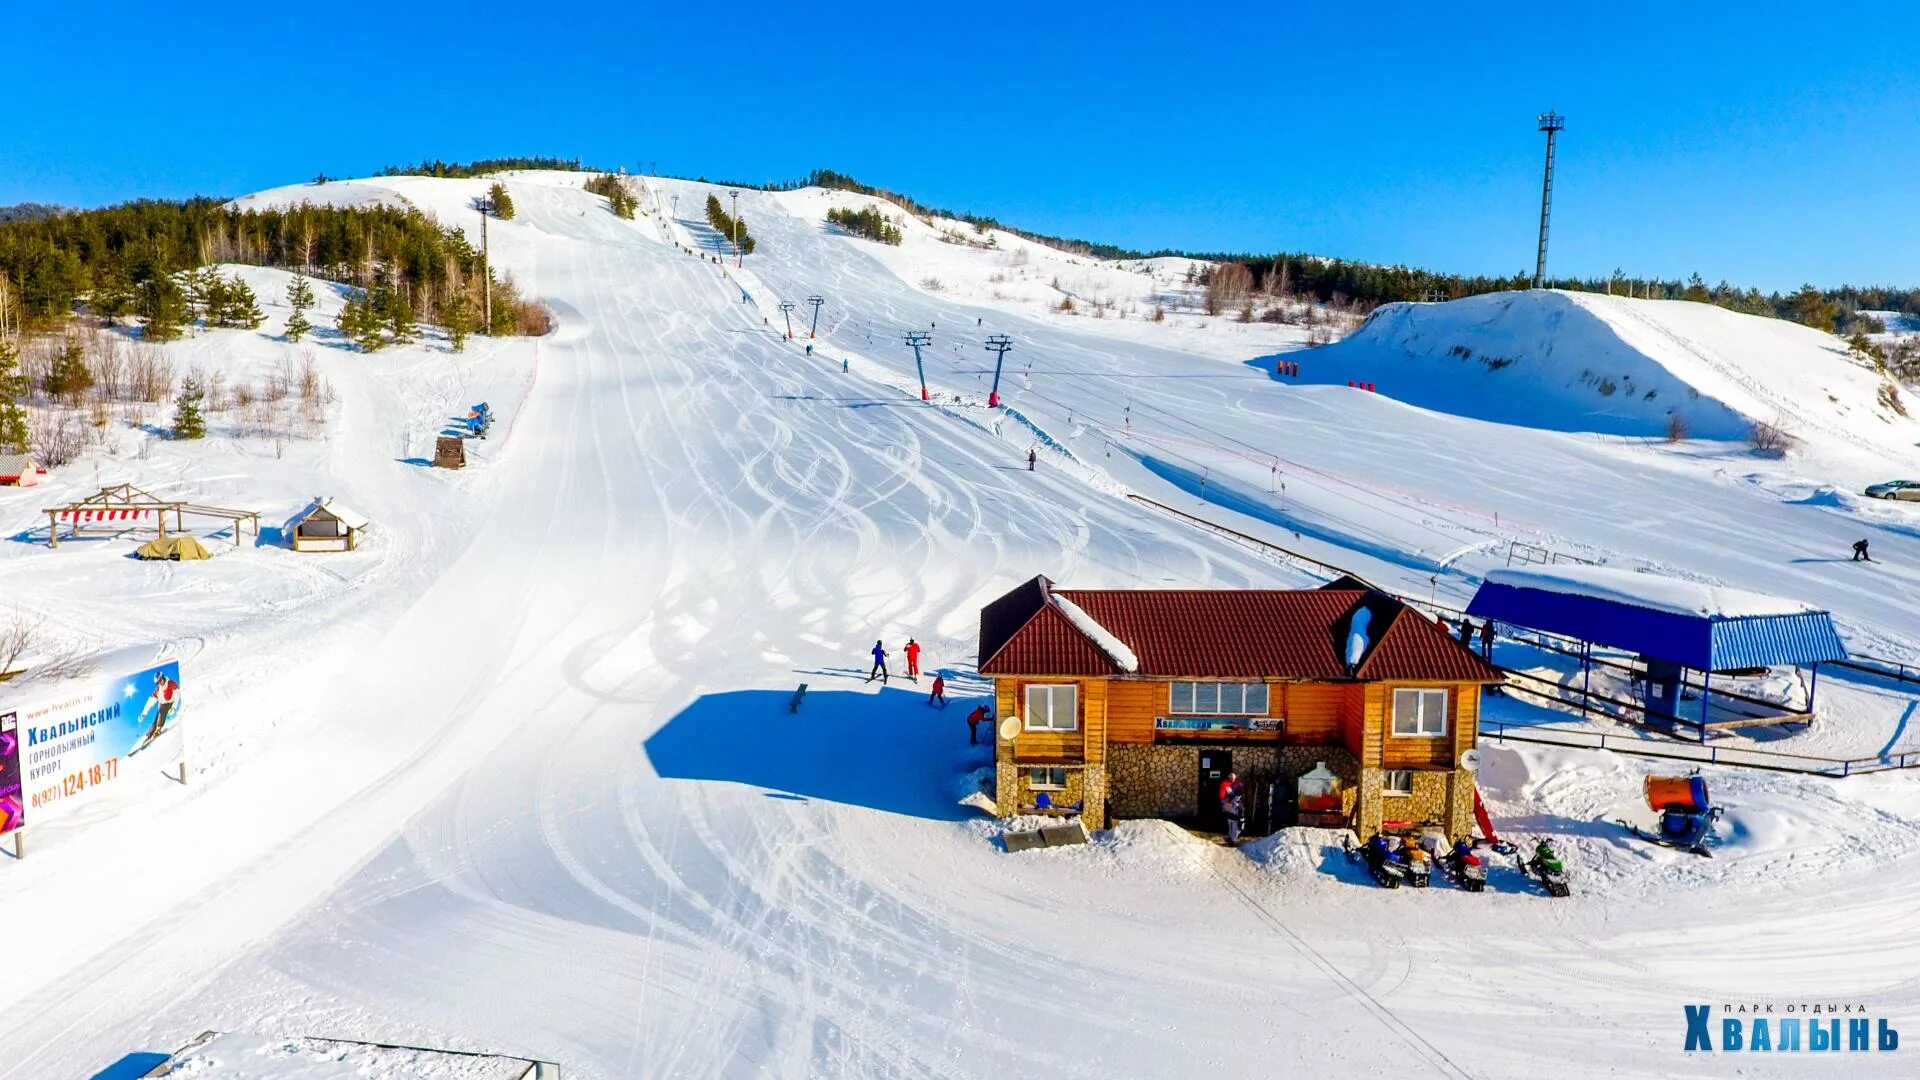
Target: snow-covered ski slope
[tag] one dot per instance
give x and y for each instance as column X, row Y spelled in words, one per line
column 1590, row 362
column 546, row 797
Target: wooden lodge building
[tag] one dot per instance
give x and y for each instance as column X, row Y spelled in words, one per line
column 1136, row 703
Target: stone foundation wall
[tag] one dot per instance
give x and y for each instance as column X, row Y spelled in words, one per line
column 1443, row 796
column 1163, row 781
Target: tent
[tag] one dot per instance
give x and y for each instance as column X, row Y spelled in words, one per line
column 173, row 549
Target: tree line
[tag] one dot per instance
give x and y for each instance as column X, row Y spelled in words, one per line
column 485, row 166
column 135, row 259
column 867, row 222
column 623, row 201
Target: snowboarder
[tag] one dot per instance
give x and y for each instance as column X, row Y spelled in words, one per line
column 1032, row 456
column 939, row 692
column 1860, row 551
column 1486, row 640
column 979, row 713
column 879, row 663
column 1231, row 807
column 913, row 659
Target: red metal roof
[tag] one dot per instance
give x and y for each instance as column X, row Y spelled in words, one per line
column 1284, row 634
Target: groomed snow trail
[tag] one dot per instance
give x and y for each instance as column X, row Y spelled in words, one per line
column 562, row 810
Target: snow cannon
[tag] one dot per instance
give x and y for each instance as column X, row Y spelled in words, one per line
column 1686, row 814
column 1677, row 793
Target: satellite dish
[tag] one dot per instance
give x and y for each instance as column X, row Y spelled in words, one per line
column 1470, row 759
column 1009, row 728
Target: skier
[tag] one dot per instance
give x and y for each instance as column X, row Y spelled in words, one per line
column 1860, row 551
column 161, row 703
column 1231, row 807
column 979, row 713
column 843, row 365
column 809, row 349
column 939, row 692
column 1032, row 457
column 913, row 659
column 1486, row 640
column 879, row 663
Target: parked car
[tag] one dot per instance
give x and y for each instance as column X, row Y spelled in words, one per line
column 1908, row 490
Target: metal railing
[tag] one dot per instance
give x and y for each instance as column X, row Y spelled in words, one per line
column 1698, row 753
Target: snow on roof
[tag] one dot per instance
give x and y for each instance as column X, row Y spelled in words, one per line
column 231, row 1056
column 353, row 519
column 15, row 464
column 1649, row 591
column 1123, row 657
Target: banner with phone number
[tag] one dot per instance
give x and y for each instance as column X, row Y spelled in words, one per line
column 72, row 744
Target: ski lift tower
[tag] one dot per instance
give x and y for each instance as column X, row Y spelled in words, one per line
column 816, row 301
column 998, row 344
column 1551, row 123
column 736, row 228
column 920, row 339
column 786, row 309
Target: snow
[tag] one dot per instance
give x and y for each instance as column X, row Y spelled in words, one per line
column 1103, row 638
column 520, row 772
column 1671, row 595
column 351, row 518
column 231, row 1056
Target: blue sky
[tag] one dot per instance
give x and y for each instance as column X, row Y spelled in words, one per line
column 1770, row 146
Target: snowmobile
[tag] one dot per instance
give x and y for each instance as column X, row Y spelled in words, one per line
column 1464, row 868
column 1419, row 864
column 1686, row 815
column 1546, row 867
column 1384, row 859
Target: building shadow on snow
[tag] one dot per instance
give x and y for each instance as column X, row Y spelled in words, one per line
column 888, row 751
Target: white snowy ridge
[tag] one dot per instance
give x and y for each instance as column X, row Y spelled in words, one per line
column 1115, row 649
column 1648, row 591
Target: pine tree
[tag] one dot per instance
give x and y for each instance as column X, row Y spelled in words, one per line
column 502, row 202
column 68, row 378
column 163, row 306
column 300, row 297
column 457, row 316
column 13, row 416
column 398, row 314
column 242, row 309
column 112, row 298
column 187, row 421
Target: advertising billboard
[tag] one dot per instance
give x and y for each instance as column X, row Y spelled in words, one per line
column 12, row 805
column 75, row 743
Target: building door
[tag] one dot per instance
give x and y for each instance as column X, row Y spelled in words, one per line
column 1214, row 767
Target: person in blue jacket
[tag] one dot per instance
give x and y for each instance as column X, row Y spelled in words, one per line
column 879, row 663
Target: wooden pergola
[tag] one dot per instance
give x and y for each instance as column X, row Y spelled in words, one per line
column 123, row 507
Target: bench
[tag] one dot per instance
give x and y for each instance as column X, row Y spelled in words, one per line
column 798, row 696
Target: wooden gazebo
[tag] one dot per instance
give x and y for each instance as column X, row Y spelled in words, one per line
column 123, row 507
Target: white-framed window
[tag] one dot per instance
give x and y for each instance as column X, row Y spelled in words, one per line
column 1047, row 778
column 1053, row 707
column 1217, row 699
column 1397, row 782
column 1420, row 712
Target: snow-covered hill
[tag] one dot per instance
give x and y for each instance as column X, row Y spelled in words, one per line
column 1588, row 362
column 527, row 779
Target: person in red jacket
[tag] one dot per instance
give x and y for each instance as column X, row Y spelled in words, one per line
column 979, row 713
column 939, row 692
column 913, row 659
column 1232, row 809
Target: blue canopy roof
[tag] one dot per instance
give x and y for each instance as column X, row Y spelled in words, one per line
column 1702, row 627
